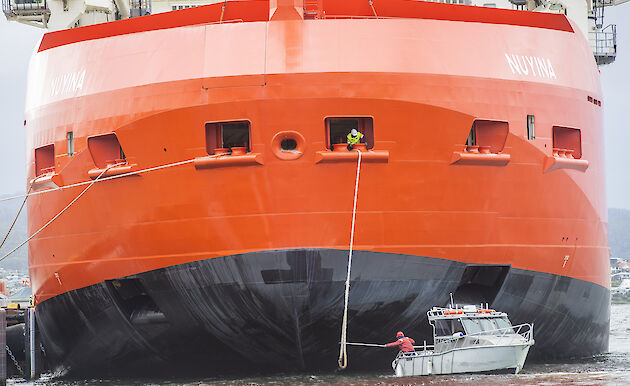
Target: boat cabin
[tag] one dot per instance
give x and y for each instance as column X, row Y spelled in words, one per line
column 469, row 320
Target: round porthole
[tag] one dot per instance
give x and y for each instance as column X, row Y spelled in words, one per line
column 288, row 145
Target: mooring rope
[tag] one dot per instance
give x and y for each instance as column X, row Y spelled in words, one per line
column 17, row 215
column 373, row 10
column 222, row 11
column 366, row 344
column 58, row 214
column 343, row 355
column 89, row 183
column 106, row 178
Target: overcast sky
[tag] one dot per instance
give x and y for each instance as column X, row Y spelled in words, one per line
column 16, row 45
column 17, row 42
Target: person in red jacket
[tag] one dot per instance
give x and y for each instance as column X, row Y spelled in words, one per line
column 405, row 344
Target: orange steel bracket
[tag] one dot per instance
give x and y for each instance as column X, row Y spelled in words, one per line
column 286, row 10
column 116, row 170
column 228, row 160
column 466, row 158
column 46, row 181
column 352, row 156
column 552, row 163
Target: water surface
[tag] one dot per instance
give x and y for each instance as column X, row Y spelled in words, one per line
column 612, row 368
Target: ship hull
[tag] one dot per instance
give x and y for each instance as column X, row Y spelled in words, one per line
column 239, row 261
column 281, row 311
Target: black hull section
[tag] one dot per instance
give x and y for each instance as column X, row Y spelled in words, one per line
column 281, row 311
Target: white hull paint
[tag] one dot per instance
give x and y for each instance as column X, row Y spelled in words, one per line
column 462, row 360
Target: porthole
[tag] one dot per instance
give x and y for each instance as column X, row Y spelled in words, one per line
column 288, row 145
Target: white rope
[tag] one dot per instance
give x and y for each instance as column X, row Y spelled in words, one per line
column 382, row 345
column 343, row 355
column 58, row 214
column 89, row 183
column 366, row 344
column 179, row 163
column 16, row 216
column 104, row 179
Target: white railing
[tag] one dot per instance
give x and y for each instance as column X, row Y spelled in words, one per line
column 31, row 12
column 525, row 330
column 23, row 6
column 604, row 3
column 437, row 313
column 604, row 44
column 140, row 8
column 519, row 334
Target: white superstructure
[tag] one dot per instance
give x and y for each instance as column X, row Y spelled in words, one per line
column 62, row 14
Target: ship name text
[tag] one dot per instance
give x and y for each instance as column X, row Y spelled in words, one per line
column 67, row 83
column 530, row 66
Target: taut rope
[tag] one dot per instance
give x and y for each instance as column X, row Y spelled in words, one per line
column 89, row 185
column 58, row 214
column 343, row 355
column 373, row 10
column 17, row 215
column 135, row 172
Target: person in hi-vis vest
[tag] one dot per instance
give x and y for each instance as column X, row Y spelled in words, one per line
column 354, row 137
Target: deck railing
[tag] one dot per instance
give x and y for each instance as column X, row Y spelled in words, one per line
column 604, row 44
column 519, row 334
column 140, row 8
column 15, row 7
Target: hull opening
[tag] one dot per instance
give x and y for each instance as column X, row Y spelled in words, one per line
column 480, row 284
column 135, row 302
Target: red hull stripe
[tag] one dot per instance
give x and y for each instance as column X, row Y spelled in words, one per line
column 439, row 11
column 247, row 11
column 258, row 10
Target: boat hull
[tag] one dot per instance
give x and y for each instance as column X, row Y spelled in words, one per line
column 464, row 360
column 281, row 311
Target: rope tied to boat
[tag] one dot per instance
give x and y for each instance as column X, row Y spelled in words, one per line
column 343, row 355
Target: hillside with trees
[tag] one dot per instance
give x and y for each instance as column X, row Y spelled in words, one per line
column 19, row 259
column 619, row 232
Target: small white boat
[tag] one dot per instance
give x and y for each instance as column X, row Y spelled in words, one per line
column 468, row 340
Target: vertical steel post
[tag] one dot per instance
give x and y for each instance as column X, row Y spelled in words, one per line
column 27, row 344
column 3, row 344
column 31, row 346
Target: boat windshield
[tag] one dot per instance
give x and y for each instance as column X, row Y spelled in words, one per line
column 447, row 327
column 481, row 325
column 472, row 326
column 503, row 322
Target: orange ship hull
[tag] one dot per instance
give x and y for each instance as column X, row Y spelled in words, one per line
column 429, row 207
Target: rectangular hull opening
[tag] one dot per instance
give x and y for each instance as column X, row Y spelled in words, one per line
column 480, row 284
column 134, row 301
